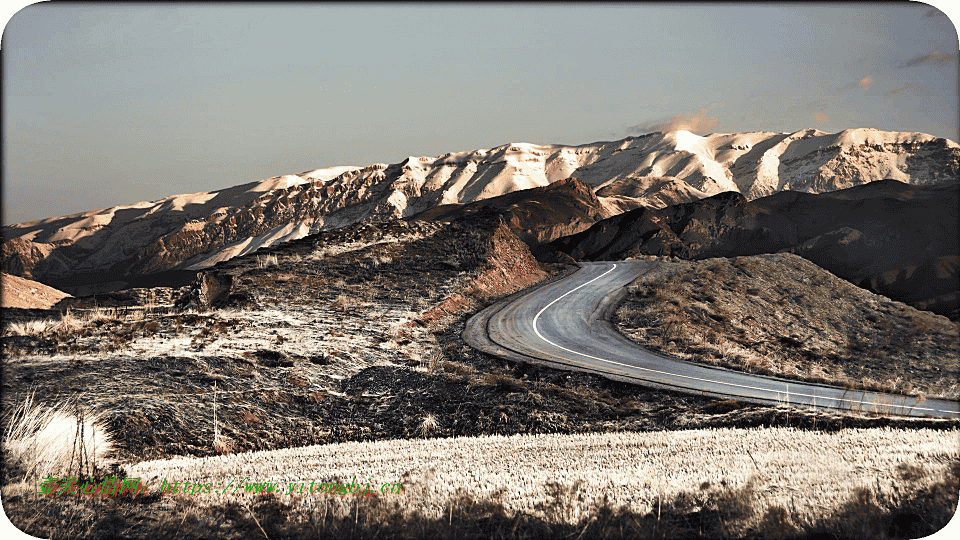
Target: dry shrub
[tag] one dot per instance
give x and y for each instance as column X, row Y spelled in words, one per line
column 435, row 362
column 344, row 302
column 458, row 369
column 504, row 382
column 223, row 444
column 428, row 425
column 68, row 323
column 57, row 440
column 267, row 261
column 30, row 328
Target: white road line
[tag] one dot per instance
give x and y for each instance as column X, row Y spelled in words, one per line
column 814, row 396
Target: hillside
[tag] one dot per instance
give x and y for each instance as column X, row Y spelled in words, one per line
column 346, row 335
column 115, row 247
column 535, row 215
column 893, row 238
column 23, row 293
column 781, row 315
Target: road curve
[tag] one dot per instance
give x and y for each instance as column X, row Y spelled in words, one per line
column 565, row 323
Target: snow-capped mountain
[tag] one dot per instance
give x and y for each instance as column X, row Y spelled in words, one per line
column 198, row 230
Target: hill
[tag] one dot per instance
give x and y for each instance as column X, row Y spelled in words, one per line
column 889, row 237
column 535, row 215
column 27, row 294
column 352, row 336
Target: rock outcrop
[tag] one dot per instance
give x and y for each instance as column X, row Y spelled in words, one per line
column 211, row 289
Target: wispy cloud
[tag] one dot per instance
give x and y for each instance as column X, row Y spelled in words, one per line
column 699, row 123
column 821, row 120
column 862, row 83
column 900, row 90
column 936, row 57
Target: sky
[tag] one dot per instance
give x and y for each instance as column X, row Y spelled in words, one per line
column 115, row 103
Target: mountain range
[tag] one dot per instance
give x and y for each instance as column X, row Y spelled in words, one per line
column 543, row 191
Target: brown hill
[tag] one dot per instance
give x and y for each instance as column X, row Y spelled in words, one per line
column 27, row 294
column 895, row 239
column 536, row 215
column 783, row 316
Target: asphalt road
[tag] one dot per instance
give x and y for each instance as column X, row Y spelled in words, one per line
column 565, row 323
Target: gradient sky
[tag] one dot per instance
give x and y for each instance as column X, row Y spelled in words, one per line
column 107, row 104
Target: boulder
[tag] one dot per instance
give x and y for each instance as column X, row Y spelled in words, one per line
column 210, row 290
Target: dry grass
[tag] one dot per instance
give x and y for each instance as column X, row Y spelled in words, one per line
column 699, row 484
column 266, row 261
column 59, row 440
column 30, row 327
column 71, row 321
column 428, row 425
column 695, row 514
column 806, row 470
column 344, row 302
column 781, row 315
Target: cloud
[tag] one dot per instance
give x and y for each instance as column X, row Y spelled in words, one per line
column 917, row 88
column 698, row 123
column 936, row 57
column 862, row 83
column 820, row 119
column 900, row 90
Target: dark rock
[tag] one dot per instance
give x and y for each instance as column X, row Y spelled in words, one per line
column 241, row 300
column 320, row 359
column 210, row 290
column 268, row 358
column 214, row 288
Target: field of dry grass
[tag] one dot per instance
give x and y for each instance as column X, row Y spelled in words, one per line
column 726, row 483
column 781, row 315
column 806, row 470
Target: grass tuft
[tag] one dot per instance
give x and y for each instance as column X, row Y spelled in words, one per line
column 58, row 440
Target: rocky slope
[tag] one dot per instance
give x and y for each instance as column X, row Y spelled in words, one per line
column 536, row 215
column 890, row 237
column 112, row 247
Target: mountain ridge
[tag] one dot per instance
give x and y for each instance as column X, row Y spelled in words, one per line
column 190, row 232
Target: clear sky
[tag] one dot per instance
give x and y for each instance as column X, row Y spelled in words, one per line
column 107, row 104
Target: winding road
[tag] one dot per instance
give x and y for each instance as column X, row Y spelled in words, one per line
column 565, row 323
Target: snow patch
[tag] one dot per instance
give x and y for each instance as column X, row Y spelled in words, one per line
column 278, row 182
